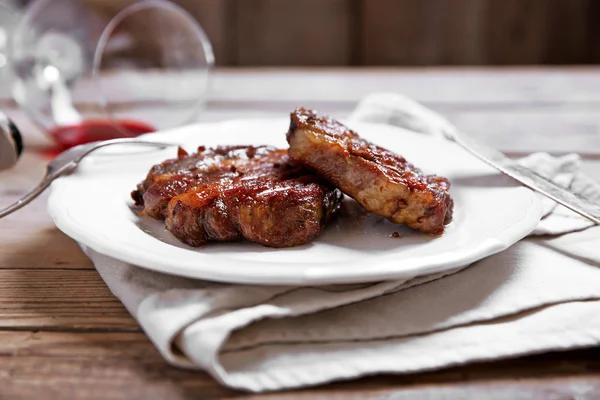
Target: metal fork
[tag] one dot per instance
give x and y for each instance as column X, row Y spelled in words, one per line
column 67, row 162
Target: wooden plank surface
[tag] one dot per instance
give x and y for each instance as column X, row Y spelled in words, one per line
column 59, row 299
column 309, row 32
column 122, row 365
column 521, row 28
column 394, row 32
column 34, row 241
column 422, row 32
column 62, row 333
column 476, row 32
column 215, row 19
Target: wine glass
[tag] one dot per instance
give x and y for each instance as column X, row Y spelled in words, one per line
column 86, row 70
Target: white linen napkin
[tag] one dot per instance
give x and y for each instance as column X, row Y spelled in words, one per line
column 541, row 294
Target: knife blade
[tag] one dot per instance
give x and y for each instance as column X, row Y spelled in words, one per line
column 528, row 177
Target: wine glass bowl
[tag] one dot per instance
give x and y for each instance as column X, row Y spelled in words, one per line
column 153, row 60
column 85, row 74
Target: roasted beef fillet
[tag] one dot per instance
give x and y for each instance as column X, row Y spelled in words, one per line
column 235, row 192
column 381, row 181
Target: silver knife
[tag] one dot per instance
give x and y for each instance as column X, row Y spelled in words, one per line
column 528, row 177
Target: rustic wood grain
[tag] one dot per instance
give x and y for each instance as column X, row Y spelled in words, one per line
column 59, row 299
column 592, row 32
column 32, row 240
column 38, row 244
column 93, row 365
column 45, row 279
column 518, row 31
column 308, row 32
column 393, row 32
column 422, row 32
column 570, row 45
column 537, row 32
column 127, row 366
column 214, row 18
column 477, row 32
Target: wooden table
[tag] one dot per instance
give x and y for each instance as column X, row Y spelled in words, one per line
column 63, row 334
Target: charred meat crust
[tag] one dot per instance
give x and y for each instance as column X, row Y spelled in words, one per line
column 380, row 180
column 236, row 192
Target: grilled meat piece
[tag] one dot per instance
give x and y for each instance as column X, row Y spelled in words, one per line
column 236, row 192
column 381, row 181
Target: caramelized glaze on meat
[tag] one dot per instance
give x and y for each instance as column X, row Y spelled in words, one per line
column 236, row 192
column 380, row 180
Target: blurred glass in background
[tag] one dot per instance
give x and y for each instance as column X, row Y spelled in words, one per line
column 87, row 70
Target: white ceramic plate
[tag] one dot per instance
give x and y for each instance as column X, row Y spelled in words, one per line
column 491, row 213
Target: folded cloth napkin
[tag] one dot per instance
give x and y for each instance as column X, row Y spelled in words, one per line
column 541, row 294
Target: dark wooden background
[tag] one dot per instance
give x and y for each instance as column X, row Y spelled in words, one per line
column 398, row 32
